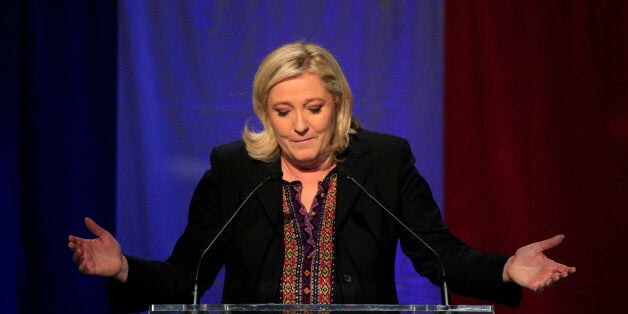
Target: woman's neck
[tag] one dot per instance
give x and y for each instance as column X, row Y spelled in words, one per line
column 292, row 172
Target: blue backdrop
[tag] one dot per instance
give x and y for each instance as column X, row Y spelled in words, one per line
column 185, row 73
column 110, row 110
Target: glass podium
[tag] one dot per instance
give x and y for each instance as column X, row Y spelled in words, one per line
column 316, row 308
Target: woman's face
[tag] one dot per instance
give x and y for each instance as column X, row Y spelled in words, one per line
column 302, row 112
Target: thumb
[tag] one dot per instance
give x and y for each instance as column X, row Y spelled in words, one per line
column 551, row 242
column 96, row 229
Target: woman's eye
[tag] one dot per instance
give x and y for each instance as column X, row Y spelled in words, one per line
column 315, row 110
column 282, row 113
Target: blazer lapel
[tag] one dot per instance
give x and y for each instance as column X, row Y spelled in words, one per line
column 347, row 190
column 269, row 194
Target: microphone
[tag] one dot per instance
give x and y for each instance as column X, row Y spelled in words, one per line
column 273, row 176
column 444, row 289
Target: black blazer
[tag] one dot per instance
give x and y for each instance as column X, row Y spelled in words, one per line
column 251, row 249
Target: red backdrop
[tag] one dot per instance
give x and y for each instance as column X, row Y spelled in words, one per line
column 536, row 139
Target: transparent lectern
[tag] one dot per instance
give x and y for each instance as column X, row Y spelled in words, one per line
column 316, row 308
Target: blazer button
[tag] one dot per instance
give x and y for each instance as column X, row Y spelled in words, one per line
column 346, row 278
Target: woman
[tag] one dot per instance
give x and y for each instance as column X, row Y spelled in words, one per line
column 310, row 235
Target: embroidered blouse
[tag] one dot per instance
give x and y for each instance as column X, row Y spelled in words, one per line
column 308, row 265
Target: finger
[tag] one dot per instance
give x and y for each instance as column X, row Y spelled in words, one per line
column 551, row 242
column 564, row 270
column 73, row 239
column 77, row 257
column 75, row 242
column 556, row 278
column 96, row 229
column 567, row 271
column 82, row 268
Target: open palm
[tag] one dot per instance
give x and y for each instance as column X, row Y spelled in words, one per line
column 531, row 268
column 100, row 256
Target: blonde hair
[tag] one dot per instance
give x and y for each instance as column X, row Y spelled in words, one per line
column 289, row 61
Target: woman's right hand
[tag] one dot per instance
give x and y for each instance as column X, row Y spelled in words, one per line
column 101, row 256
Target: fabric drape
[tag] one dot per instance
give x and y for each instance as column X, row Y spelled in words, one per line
column 57, row 148
column 536, row 138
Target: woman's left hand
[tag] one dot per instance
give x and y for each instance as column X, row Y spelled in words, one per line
column 530, row 268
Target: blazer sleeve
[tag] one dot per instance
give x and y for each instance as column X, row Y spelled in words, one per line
column 172, row 281
column 469, row 272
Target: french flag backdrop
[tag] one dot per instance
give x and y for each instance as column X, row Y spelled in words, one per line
column 517, row 112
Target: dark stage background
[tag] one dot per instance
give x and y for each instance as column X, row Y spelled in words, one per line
column 536, row 138
column 57, row 148
column 111, row 109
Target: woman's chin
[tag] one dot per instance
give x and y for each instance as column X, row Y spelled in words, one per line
column 306, row 162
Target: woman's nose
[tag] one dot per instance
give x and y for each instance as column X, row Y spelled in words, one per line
column 301, row 126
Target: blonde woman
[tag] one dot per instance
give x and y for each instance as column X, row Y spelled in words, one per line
column 308, row 234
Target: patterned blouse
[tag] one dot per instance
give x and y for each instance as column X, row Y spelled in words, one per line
column 308, row 265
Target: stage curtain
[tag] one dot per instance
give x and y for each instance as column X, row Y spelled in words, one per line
column 57, row 148
column 536, row 138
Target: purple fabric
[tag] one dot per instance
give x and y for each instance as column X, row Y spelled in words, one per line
column 309, row 227
column 309, row 223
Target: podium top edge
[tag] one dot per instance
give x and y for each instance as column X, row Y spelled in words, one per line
column 272, row 307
